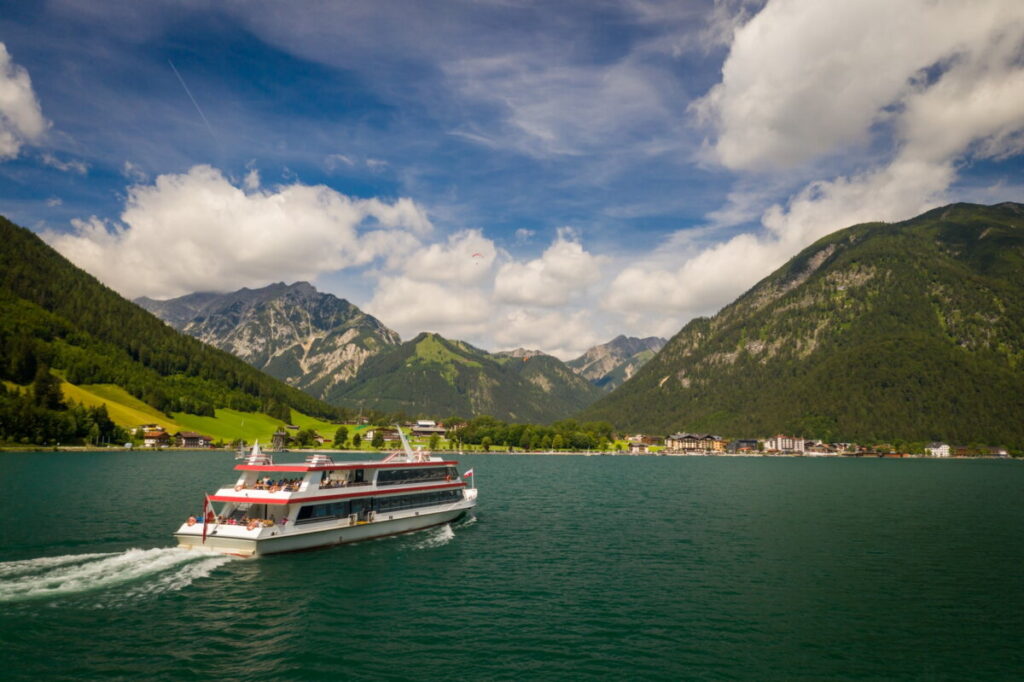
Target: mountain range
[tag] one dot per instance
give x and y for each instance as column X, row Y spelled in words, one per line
column 321, row 344
column 309, row 339
column 610, row 364
column 912, row 330
column 434, row 375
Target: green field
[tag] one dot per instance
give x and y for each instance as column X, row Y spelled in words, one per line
column 130, row 412
column 124, row 409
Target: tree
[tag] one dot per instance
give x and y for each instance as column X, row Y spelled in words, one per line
column 557, row 443
column 486, row 443
column 305, row 437
column 46, row 389
column 340, row 436
column 378, row 439
column 357, row 441
column 435, row 440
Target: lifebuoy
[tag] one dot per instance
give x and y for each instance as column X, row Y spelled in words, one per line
column 252, row 525
column 191, row 520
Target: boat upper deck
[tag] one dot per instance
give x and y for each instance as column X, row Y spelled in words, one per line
column 342, row 466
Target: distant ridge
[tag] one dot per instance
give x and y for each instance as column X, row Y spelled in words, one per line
column 432, row 375
column 610, row 364
column 912, row 331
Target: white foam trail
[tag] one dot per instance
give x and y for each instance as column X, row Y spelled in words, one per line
column 12, row 568
column 437, row 537
column 171, row 569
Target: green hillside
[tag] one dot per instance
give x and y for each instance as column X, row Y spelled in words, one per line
column 909, row 331
column 54, row 315
column 226, row 425
column 434, row 376
column 124, row 409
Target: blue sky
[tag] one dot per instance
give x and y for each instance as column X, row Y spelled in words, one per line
column 546, row 175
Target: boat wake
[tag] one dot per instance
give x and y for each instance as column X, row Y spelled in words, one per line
column 436, row 537
column 467, row 521
column 134, row 573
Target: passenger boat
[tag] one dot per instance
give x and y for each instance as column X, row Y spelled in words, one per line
column 274, row 508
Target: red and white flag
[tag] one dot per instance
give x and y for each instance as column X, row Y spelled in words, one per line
column 207, row 511
column 468, row 474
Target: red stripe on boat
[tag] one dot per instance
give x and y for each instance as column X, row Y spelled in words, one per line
column 368, row 493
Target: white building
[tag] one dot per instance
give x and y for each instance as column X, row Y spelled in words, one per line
column 938, row 449
column 782, row 443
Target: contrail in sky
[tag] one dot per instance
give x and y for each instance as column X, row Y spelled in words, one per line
column 189, row 93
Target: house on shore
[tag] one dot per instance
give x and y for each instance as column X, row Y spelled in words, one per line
column 425, row 427
column 156, row 438
column 645, row 439
column 191, row 439
column 742, row 446
column 694, row 442
column 938, row 449
column 390, row 435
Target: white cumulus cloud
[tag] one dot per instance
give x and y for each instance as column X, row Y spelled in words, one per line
column 197, row 231
column 21, row 117
column 927, row 84
column 804, row 77
column 562, row 272
column 464, row 287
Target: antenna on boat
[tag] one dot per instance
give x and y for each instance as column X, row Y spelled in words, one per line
column 256, row 456
column 409, row 456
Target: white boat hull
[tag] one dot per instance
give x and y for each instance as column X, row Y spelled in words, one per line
column 260, row 541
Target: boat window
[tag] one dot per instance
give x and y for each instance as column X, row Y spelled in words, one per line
column 318, row 512
column 398, row 502
column 334, row 479
column 417, row 475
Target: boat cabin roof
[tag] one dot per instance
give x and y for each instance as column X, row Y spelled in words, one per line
column 341, row 466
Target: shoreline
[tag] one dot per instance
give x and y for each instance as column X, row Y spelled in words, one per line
column 450, row 453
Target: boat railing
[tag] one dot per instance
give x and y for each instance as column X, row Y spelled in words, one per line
column 271, row 487
column 325, row 485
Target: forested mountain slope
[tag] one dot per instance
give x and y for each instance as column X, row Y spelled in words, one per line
column 431, row 375
column 54, row 315
column 309, row 339
column 912, row 330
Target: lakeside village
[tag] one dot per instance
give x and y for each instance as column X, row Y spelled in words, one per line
column 360, row 435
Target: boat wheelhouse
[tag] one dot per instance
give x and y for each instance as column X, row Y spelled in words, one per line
column 275, row 508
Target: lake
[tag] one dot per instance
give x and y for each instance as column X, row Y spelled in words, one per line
column 573, row 568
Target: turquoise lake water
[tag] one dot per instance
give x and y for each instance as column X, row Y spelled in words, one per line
column 573, row 568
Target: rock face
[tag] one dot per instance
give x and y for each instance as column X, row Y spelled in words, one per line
column 610, row 364
column 309, row 339
column 911, row 332
column 432, row 375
